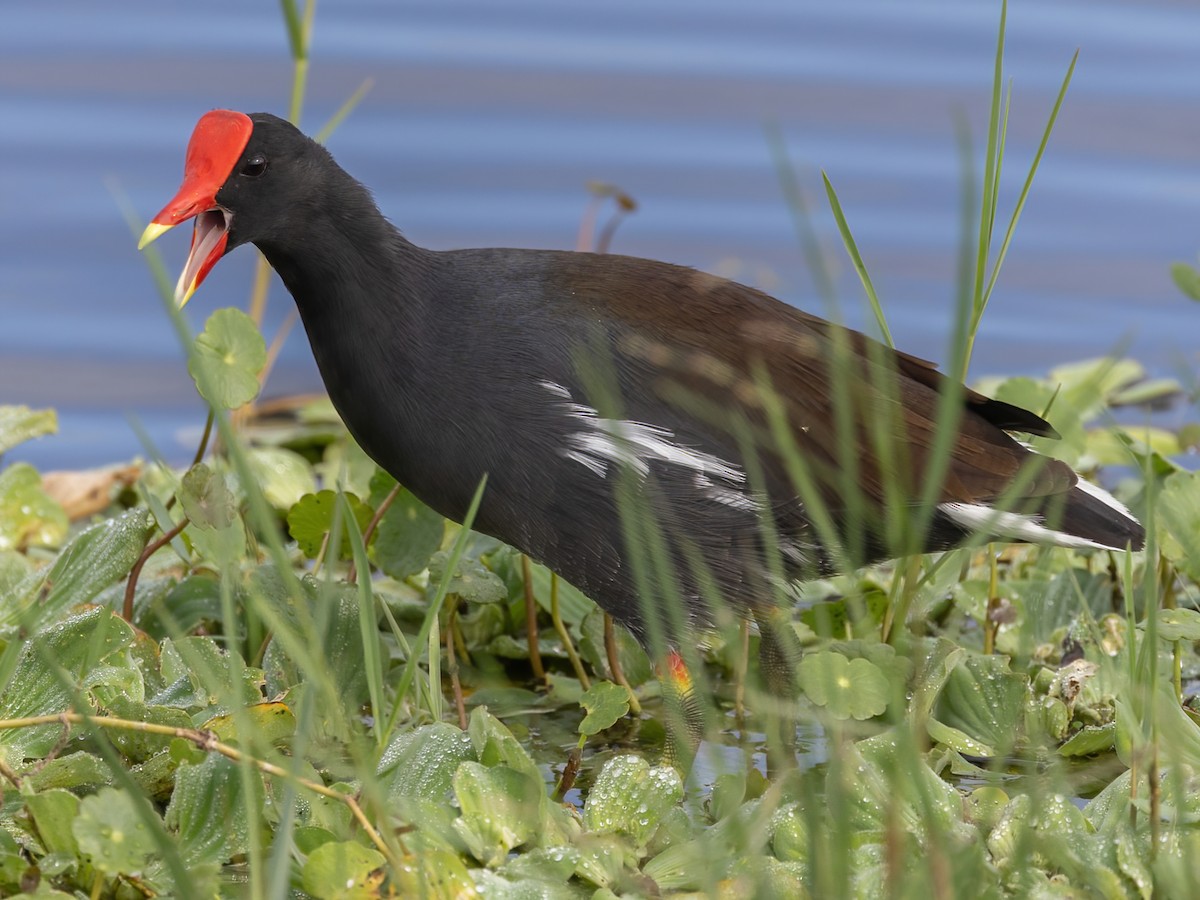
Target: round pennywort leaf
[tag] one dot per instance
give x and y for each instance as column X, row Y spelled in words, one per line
column 409, row 534
column 110, row 830
column 227, row 359
column 847, row 688
column 311, row 518
column 605, row 703
column 343, row 869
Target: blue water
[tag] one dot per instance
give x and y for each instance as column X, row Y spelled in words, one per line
column 486, row 120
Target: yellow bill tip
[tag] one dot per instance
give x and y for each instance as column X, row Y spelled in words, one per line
column 187, row 295
column 184, row 289
column 152, row 233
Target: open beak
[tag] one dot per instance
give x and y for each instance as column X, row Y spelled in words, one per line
column 217, row 141
column 209, row 236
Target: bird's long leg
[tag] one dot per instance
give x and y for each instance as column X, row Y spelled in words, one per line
column 684, row 715
column 778, row 656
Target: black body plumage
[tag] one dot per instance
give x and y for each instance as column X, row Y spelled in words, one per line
column 619, row 405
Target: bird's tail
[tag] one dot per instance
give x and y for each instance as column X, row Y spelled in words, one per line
column 1085, row 517
column 1093, row 514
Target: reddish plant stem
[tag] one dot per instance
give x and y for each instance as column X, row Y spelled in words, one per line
column 614, row 662
column 460, row 704
column 531, row 632
column 208, row 424
column 149, row 550
column 352, row 575
column 561, row 627
column 569, row 774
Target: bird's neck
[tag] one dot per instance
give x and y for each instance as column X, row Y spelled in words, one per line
column 362, row 291
column 341, row 270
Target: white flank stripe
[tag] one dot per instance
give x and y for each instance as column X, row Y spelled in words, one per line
column 1104, row 497
column 731, row 497
column 635, row 444
column 985, row 520
column 591, row 460
column 556, row 389
column 793, row 551
column 653, row 441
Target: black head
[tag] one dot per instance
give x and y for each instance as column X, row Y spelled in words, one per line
column 247, row 179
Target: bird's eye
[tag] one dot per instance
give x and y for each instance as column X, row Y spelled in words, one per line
column 255, row 166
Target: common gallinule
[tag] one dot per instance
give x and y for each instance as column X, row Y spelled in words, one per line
column 592, row 387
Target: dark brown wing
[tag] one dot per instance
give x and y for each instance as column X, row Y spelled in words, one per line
column 735, row 339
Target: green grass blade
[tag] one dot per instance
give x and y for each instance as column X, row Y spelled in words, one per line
column 367, row 620
column 856, row 258
column 297, row 44
column 802, row 220
column 1024, row 195
column 988, row 205
column 456, row 552
column 344, row 110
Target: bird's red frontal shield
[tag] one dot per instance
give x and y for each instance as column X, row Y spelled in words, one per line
column 217, row 141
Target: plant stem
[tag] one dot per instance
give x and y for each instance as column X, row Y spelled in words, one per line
column 352, row 575
column 207, row 741
column 614, row 662
column 565, row 636
column 148, row 551
column 531, row 630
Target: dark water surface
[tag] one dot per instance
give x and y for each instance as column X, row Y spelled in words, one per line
column 487, row 119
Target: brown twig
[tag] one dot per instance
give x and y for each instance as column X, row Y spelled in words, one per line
column 584, row 241
column 625, row 205
column 569, row 774
column 531, row 631
column 7, row 772
column 207, row 741
column 565, row 636
column 452, row 671
column 148, row 551
column 990, row 624
column 208, row 426
column 352, row 575
column 600, row 192
column 614, row 663
column 1155, row 800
